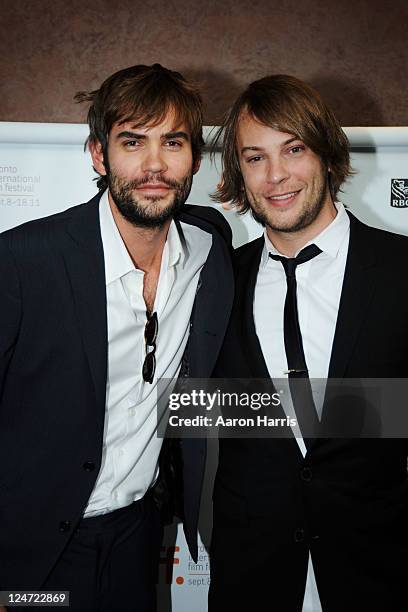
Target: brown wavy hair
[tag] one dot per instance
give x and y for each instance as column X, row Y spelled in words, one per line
column 287, row 104
column 144, row 94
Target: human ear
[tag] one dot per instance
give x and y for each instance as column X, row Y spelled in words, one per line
column 95, row 148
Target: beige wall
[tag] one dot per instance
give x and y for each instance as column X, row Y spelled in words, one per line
column 354, row 51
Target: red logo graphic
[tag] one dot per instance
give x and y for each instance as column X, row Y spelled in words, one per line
column 169, row 560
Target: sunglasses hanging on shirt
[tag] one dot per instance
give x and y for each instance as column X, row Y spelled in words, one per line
column 150, row 334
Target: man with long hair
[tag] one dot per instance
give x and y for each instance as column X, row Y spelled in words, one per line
column 302, row 522
column 96, row 305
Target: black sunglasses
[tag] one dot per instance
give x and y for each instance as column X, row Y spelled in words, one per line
column 150, row 334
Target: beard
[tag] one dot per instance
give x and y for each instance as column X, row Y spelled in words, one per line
column 150, row 214
column 305, row 217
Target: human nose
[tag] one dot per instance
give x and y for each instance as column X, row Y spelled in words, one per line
column 277, row 170
column 154, row 161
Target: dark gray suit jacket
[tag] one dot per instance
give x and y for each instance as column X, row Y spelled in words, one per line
column 53, row 368
column 347, row 500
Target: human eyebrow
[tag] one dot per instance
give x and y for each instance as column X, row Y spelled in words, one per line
column 133, row 135
column 175, row 134
column 290, row 140
column 245, row 149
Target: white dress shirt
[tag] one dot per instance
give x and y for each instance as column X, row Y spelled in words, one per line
column 131, row 446
column 319, row 284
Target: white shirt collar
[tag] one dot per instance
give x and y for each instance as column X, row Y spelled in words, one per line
column 117, row 259
column 329, row 240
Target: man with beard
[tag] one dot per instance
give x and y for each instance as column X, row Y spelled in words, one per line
column 97, row 304
column 308, row 523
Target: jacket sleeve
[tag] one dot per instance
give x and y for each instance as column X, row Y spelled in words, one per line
column 10, row 309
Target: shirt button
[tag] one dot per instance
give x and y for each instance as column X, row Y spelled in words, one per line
column 132, row 411
column 89, row 466
column 306, row 474
column 120, row 452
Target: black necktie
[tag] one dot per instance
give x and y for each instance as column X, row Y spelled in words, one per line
column 297, row 369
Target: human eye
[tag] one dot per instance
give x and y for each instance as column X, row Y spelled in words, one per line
column 253, row 159
column 131, row 144
column 173, row 144
column 296, row 149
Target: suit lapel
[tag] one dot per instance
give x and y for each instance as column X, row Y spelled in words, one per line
column 244, row 311
column 216, row 287
column 84, row 260
column 246, row 282
column 357, row 292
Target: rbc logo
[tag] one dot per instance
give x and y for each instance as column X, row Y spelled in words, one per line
column 399, row 193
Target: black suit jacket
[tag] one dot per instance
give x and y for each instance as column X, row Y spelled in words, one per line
column 53, row 368
column 347, row 500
